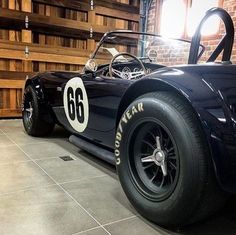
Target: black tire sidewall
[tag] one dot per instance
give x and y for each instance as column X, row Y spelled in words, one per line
column 181, row 203
column 42, row 120
column 35, row 115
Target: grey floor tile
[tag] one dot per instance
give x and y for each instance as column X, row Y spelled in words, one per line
column 133, row 226
column 43, row 211
column 64, row 143
column 28, row 205
column 96, row 231
column 4, row 142
column 10, row 126
column 17, row 176
column 21, row 138
column 102, row 197
column 11, row 154
column 95, row 162
column 64, row 171
column 44, row 150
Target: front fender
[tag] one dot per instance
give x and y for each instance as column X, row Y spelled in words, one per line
column 37, row 84
column 44, row 105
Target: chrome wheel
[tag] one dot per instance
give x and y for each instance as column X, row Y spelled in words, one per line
column 28, row 109
column 158, row 157
column 154, row 160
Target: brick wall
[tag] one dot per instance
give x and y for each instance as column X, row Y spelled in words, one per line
column 152, row 15
column 209, row 42
column 230, row 7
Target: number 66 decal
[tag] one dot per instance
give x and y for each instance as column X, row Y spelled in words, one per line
column 76, row 104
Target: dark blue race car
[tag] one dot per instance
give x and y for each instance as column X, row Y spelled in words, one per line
column 170, row 130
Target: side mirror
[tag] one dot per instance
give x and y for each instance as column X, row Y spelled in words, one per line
column 91, row 66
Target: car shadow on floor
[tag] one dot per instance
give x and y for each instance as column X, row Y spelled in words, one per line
column 223, row 222
column 59, row 132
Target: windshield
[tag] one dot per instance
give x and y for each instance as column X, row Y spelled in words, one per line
column 153, row 48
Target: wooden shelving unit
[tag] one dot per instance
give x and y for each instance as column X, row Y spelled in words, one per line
column 58, row 37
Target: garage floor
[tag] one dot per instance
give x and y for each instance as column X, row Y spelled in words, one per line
column 40, row 193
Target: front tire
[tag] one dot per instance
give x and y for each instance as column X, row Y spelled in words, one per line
column 163, row 161
column 37, row 118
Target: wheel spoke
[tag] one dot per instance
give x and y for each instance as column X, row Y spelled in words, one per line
column 152, row 135
column 29, row 110
column 171, row 178
column 172, row 157
column 143, row 154
column 149, row 165
column 148, row 159
column 160, row 135
column 172, row 165
column 171, row 154
column 167, row 141
column 162, row 181
column 158, row 143
column 164, row 168
column 147, row 143
column 170, row 150
column 155, row 174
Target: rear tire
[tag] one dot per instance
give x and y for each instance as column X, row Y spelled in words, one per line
column 37, row 118
column 189, row 191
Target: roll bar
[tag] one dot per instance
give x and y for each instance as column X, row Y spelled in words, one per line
column 225, row 44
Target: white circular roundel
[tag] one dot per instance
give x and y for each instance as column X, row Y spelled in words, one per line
column 76, row 104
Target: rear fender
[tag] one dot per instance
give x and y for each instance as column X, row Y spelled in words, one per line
column 204, row 101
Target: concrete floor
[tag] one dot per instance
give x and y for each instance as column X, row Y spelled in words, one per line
column 42, row 194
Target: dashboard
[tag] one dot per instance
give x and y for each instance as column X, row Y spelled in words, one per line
column 126, row 68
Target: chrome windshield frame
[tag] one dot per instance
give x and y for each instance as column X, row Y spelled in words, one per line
column 110, row 33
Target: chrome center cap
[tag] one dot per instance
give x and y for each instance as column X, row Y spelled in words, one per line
column 159, row 156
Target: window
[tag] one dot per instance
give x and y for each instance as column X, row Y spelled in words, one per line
column 196, row 13
column 179, row 18
column 173, row 18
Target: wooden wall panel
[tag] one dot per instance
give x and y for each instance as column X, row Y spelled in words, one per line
column 10, row 88
column 58, row 38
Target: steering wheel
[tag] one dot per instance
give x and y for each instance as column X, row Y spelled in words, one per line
column 127, row 75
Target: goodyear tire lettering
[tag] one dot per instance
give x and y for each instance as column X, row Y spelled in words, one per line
column 127, row 116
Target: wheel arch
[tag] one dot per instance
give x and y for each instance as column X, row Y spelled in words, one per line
column 37, row 85
column 145, row 86
column 28, row 82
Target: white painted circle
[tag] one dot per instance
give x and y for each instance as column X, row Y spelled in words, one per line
column 76, row 105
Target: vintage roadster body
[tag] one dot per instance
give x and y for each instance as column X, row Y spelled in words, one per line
column 170, row 130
